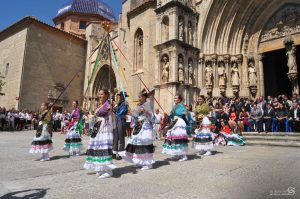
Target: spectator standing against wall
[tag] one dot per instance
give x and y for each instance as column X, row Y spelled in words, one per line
column 255, row 119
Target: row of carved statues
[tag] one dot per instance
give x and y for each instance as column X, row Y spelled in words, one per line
column 181, row 71
column 181, row 31
column 209, row 72
column 234, row 74
column 225, row 66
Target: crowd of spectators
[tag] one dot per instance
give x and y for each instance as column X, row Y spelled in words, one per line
column 274, row 114
column 15, row 120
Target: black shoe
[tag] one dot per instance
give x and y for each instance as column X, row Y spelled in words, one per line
column 114, row 156
column 118, row 157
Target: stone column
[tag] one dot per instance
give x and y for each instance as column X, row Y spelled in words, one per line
column 228, row 70
column 174, row 66
column 158, row 69
column 215, row 68
column 186, row 21
column 201, row 71
column 158, row 29
column 261, row 82
column 174, row 17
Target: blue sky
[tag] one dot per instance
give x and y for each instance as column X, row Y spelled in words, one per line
column 14, row 10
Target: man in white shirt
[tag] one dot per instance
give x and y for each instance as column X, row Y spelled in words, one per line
column 56, row 120
column 158, row 117
column 28, row 120
column 11, row 120
column 22, row 120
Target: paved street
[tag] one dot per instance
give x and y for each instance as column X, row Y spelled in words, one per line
column 252, row 172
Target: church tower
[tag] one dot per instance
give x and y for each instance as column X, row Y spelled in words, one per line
column 76, row 15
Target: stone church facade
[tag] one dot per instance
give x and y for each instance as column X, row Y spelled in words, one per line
column 211, row 47
column 233, row 48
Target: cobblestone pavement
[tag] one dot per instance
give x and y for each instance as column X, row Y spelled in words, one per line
column 253, row 172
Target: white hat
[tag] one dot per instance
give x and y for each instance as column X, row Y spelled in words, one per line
column 141, row 118
column 206, row 121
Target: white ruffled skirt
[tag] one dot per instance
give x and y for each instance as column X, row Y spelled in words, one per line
column 73, row 142
column 176, row 141
column 43, row 143
column 140, row 149
column 99, row 152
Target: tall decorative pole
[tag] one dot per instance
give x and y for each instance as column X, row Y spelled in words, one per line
column 292, row 63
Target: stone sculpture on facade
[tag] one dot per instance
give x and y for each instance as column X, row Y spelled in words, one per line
column 292, row 63
column 190, row 33
column 222, row 77
column 180, row 70
column 252, row 76
column 208, row 78
column 54, row 93
column 291, row 57
column 139, row 49
column 181, row 29
column 235, row 75
column 191, row 73
column 283, row 23
column 166, row 68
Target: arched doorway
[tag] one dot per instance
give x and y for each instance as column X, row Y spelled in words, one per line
column 105, row 79
column 275, row 69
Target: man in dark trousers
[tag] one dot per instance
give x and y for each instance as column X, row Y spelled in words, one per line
column 121, row 111
column 269, row 114
column 294, row 117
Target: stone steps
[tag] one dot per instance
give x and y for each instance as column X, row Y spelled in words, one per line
column 270, row 134
column 273, row 139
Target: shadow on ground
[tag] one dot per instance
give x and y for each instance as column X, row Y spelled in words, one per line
column 26, row 194
column 59, row 157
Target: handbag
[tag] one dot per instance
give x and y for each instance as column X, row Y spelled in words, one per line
column 39, row 130
column 96, row 129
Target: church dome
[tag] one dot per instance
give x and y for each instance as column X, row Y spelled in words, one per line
column 87, row 7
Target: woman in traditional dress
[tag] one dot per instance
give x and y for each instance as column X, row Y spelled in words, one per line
column 99, row 151
column 203, row 138
column 176, row 141
column 73, row 142
column 42, row 142
column 140, row 149
column 222, row 132
column 232, row 139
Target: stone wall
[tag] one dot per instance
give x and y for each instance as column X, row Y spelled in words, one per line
column 128, row 26
column 12, row 54
column 52, row 59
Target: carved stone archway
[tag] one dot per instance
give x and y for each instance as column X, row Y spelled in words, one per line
column 105, row 79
